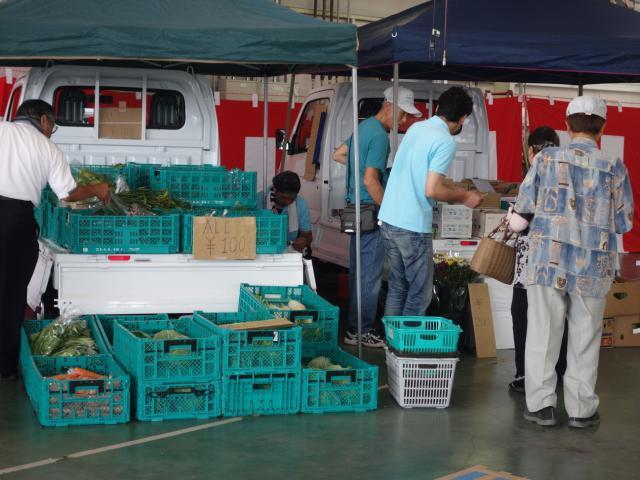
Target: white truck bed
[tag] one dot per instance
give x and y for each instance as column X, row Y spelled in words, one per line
column 130, row 284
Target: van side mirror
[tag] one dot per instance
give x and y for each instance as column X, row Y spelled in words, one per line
column 281, row 139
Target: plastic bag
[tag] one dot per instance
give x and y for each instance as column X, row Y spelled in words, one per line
column 62, row 335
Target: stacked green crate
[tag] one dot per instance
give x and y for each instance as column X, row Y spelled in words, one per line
column 337, row 382
column 174, row 365
column 300, row 304
column 271, row 228
column 66, row 401
column 207, row 185
column 261, row 368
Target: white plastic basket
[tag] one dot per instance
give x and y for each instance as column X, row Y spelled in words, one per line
column 420, row 382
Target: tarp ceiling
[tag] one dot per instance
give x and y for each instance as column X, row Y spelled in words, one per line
column 230, row 37
column 546, row 41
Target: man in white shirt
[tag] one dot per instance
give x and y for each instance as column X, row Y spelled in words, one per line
column 28, row 161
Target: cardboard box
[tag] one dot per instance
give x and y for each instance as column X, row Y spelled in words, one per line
column 224, row 238
column 452, row 221
column 623, row 299
column 606, row 341
column 120, row 123
column 485, row 221
column 485, row 339
column 626, row 331
column 259, row 324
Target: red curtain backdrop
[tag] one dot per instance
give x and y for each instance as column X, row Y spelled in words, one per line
column 505, row 118
column 620, row 123
column 5, row 91
column 238, row 119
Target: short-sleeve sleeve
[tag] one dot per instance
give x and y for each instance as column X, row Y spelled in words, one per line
column 60, row 179
column 304, row 218
column 528, row 193
column 623, row 198
column 378, row 152
column 443, row 156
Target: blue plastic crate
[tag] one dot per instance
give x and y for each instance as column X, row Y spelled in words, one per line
column 34, row 326
column 271, row 228
column 261, row 393
column 421, row 334
column 319, row 321
column 87, row 233
column 212, row 186
column 194, row 359
column 158, row 401
column 75, row 402
column 255, row 351
column 105, row 323
column 353, row 389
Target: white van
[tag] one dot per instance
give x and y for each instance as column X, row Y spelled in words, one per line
column 108, row 116
column 323, row 180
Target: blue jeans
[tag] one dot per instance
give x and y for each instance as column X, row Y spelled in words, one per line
column 410, row 259
column 371, row 264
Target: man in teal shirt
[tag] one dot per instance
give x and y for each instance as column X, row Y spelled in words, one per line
column 374, row 153
column 416, row 180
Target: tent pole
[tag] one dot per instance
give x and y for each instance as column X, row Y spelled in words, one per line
column 265, row 140
column 356, row 182
column 394, row 133
column 283, row 155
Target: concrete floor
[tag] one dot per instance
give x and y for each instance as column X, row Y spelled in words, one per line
column 483, row 425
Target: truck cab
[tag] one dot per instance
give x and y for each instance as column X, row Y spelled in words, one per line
column 326, row 121
column 109, row 115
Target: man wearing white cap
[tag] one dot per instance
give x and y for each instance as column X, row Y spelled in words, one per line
column 580, row 200
column 374, row 152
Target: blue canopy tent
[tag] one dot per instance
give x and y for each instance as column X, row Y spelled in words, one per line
column 546, row 41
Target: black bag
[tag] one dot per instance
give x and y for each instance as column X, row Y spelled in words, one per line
column 368, row 219
column 368, row 213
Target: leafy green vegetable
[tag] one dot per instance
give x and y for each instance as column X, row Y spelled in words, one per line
column 168, row 335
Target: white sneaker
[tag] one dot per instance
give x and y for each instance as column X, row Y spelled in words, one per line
column 370, row 339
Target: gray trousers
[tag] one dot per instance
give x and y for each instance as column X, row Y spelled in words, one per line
column 547, row 310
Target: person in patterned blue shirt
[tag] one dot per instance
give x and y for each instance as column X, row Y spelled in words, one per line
column 580, row 200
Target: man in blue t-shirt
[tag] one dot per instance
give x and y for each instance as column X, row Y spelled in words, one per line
column 286, row 201
column 374, row 153
column 416, row 180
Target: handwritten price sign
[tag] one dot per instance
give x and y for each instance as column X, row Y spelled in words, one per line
column 224, row 238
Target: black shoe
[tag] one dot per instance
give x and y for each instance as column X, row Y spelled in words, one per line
column 545, row 417
column 593, row 420
column 517, row 385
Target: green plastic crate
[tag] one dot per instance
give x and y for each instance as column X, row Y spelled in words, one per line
column 105, row 323
column 421, row 335
column 194, row 359
column 213, row 186
column 319, row 321
column 261, row 393
column 271, row 228
column 75, row 402
column 156, row 401
column 51, row 214
column 34, row 326
column 255, row 351
column 139, row 174
column 353, row 389
column 87, row 233
column 111, row 172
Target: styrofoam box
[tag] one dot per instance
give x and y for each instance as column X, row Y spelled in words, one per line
column 485, row 221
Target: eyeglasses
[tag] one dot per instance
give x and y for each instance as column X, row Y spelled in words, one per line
column 54, row 129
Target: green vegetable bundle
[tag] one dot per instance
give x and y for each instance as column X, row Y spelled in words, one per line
column 64, row 339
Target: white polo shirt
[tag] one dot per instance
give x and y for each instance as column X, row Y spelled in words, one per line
column 28, row 161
